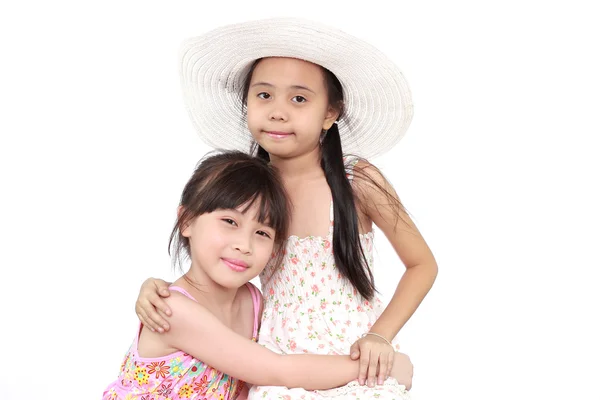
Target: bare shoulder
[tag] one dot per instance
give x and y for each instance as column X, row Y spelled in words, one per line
column 182, row 304
column 368, row 180
column 373, row 190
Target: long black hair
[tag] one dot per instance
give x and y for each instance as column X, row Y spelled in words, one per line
column 348, row 253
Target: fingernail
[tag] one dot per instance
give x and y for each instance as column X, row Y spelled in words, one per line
column 160, row 330
column 152, row 329
column 166, row 326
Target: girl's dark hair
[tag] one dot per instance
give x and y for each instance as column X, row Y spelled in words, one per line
column 229, row 180
column 348, row 253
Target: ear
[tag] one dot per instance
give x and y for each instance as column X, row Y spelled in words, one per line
column 184, row 226
column 330, row 118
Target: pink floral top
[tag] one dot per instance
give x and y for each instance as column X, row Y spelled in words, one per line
column 175, row 376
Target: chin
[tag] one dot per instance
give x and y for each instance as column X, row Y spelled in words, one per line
column 229, row 283
column 278, row 150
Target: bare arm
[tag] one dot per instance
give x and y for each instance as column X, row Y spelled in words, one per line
column 198, row 332
column 421, row 268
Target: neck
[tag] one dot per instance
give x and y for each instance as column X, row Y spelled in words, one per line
column 302, row 167
column 206, row 291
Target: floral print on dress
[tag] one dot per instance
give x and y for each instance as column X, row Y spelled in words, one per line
column 174, row 377
column 311, row 308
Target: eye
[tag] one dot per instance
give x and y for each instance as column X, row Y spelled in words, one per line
column 229, row 221
column 263, row 95
column 263, row 233
column 298, row 99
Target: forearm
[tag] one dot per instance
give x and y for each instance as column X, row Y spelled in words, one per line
column 199, row 333
column 412, row 289
column 313, row 372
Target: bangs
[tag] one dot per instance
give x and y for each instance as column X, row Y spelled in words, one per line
column 242, row 186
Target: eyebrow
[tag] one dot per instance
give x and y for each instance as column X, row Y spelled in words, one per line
column 296, row 87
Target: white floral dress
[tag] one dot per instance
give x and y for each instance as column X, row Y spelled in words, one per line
column 311, row 308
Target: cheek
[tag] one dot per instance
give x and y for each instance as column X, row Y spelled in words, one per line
column 252, row 115
column 263, row 253
column 211, row 240
column 312, row 121
column 254, row 128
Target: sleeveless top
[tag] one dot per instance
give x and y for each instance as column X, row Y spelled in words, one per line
column 177, row 375
column 311, row 308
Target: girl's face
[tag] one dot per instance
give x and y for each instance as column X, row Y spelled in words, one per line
column 288, row 106
column 229, row 247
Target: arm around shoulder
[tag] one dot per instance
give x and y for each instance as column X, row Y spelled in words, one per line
column 198, row 332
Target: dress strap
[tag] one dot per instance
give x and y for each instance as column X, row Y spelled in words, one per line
column 256, row 296
column 350, row 163
column 182, row 291
column 331, row 219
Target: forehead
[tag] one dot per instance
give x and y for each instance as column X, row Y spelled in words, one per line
column 288, row 70
column 256, row 210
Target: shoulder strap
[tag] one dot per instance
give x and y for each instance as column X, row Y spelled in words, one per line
column 182, row 291
column 256, row 297
column 350, row 163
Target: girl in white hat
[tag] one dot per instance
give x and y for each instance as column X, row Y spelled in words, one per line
column 304, row 96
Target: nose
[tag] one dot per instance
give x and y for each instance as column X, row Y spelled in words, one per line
column 278, row 112
column 243, row 245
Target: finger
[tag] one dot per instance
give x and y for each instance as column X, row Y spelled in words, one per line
column 160, row 304
column 153, row 316
column 373, row 361
column 162, row 288
column 141, row 318
column 148, row 322
column 391, row 358
column 154, row 294
column 354, row 351
column 364, row 366
column 383, row 367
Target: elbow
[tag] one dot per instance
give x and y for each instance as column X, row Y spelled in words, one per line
column 434, row 270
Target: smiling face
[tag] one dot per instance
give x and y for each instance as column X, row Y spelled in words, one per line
column 230, row 247
column 288, row 106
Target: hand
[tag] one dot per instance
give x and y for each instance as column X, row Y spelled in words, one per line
column 149, row 304
column 402, row 370
column 376, row 354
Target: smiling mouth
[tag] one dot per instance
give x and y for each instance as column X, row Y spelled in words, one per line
column 278, row 135
column 236, row 265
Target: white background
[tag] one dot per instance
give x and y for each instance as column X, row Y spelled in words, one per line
column 499, row 170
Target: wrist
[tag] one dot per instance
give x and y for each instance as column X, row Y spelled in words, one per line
column 371, row 333
column 386, row 333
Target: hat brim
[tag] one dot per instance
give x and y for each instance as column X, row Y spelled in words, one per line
column 377, row 101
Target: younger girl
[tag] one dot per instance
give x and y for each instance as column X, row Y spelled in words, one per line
column 311, row 94
column 233, row 213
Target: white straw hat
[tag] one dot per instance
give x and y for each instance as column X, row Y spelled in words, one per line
column 377, row 101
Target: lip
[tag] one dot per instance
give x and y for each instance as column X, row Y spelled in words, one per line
column 278, row 134
column 235, row 265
